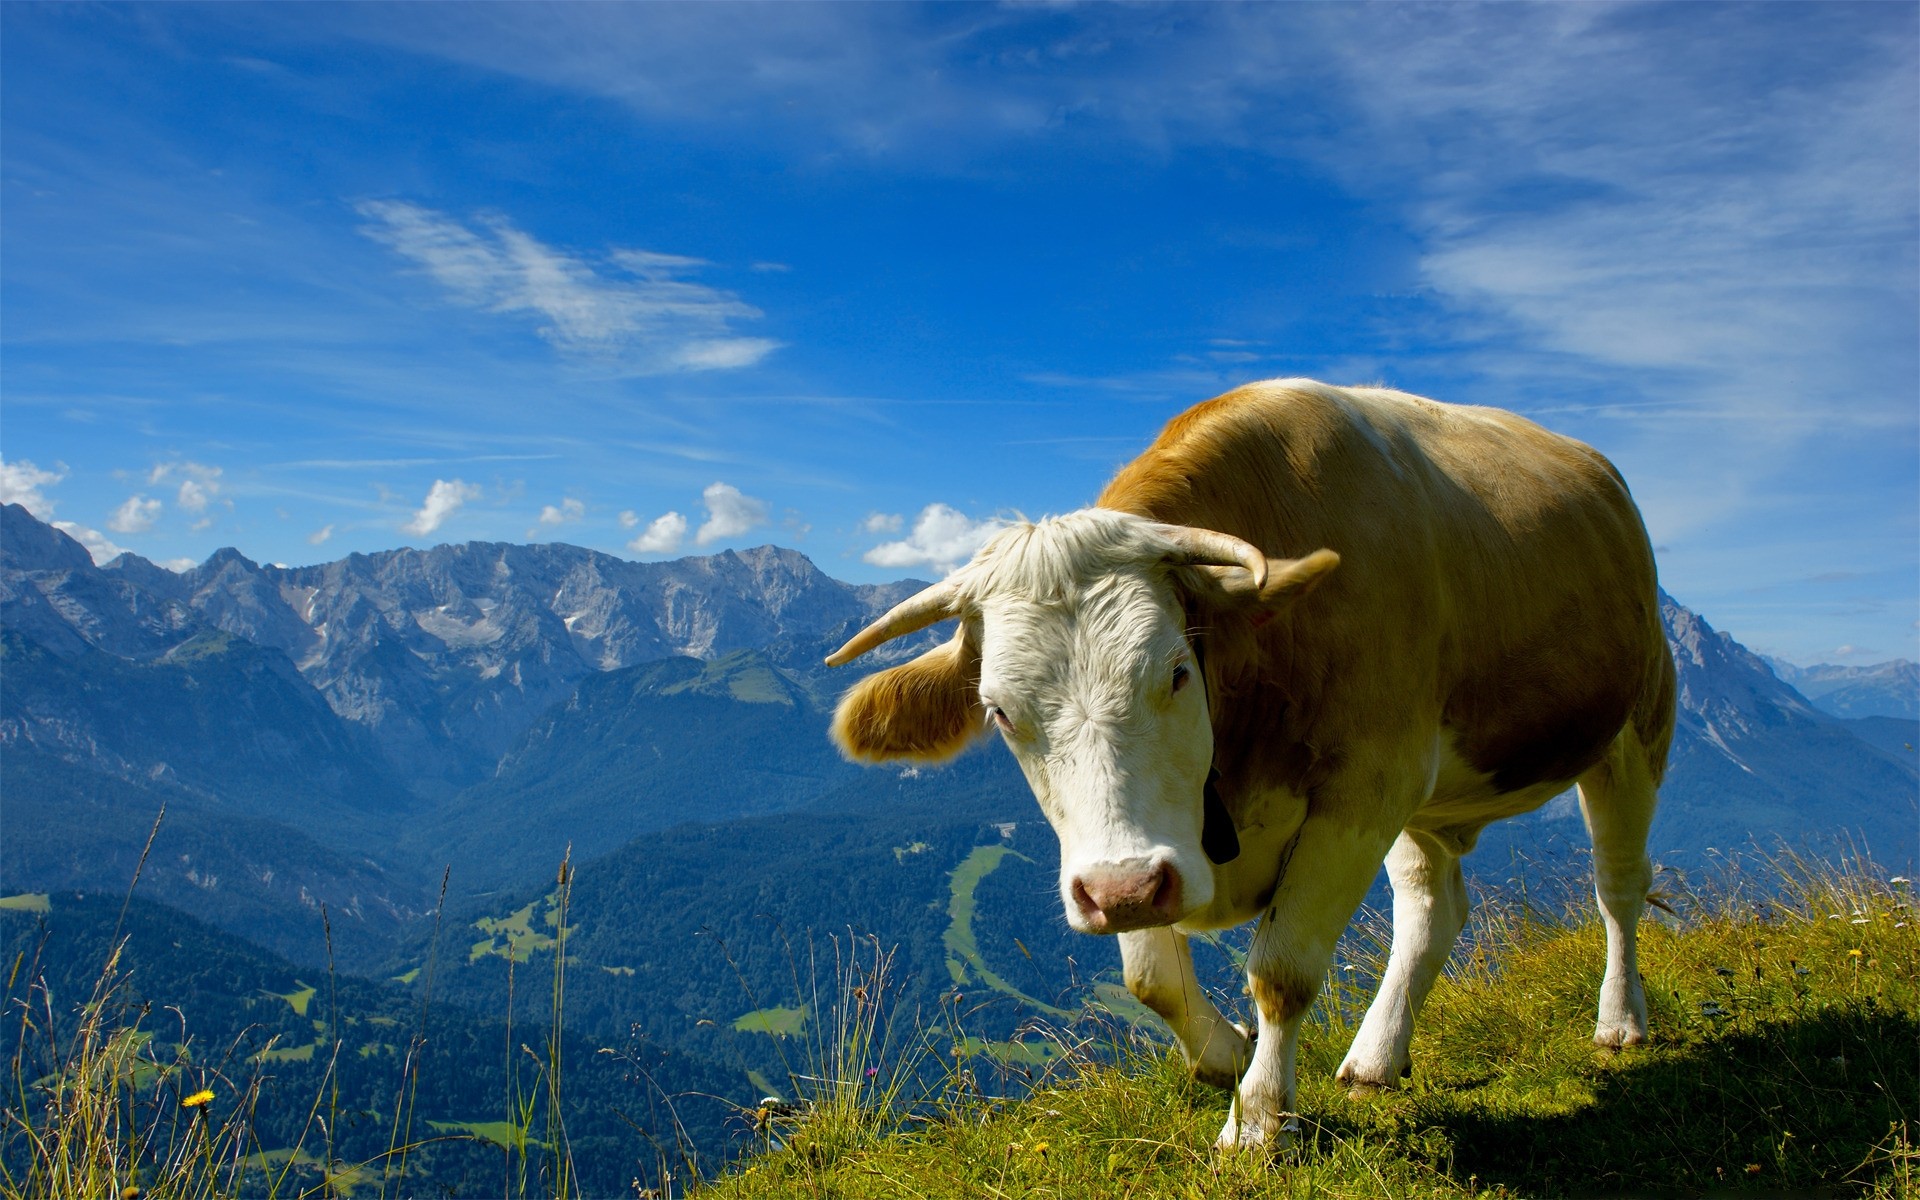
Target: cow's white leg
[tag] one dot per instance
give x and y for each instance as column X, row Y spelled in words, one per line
column 1158, row 967
column 1328, row 873
column 1617, row 798
column 1429, row 910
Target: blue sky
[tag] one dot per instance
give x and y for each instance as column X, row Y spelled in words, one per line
column 861, row 279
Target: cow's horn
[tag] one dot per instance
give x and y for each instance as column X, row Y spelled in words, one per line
column 1204, row 547
column 916, row 612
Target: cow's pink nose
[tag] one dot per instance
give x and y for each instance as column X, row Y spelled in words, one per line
column 1114, row 900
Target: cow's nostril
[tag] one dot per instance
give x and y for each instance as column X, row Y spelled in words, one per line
column 1081, row 899
column 1167, row 895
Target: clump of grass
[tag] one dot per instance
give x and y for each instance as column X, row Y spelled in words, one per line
column 862, row 1075
column 102, row 1106
column 1785, row 1013
column 115, row 1114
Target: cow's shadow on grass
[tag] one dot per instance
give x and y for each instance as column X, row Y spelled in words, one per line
column 1812, row 1106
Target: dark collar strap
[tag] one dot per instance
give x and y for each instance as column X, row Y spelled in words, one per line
column 1218, row 837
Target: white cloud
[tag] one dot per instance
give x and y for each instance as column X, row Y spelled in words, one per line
column 179, row 566
column 879, row 522
column 98, row 545
column 662, row 536
column 20, row 483
column 633, row 307
column 319, row 536
column 943, row 537
column 137, row 515
column 444, row 498
column 729, row 513
column 566, row 512
column 629, row 518
column 199, row 483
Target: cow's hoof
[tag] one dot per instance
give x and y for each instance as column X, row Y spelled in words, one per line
column 1214, row 1075
column 1245, row 1136
column 1225, row 1059
column 1619, row 1037
column 1370, row 1079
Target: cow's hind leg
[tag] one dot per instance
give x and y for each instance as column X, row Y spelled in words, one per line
column 1158, row 967
column 1429, row 909
column 1617, row 799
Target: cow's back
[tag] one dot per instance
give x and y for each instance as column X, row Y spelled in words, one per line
column 1495, row 579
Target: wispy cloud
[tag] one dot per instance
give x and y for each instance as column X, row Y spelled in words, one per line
column 879, row 522
column 320, row 536
column 943, row 537
column 361, row 464
column 633, row 307
column 444, row 498
column 137, row 515
column 729, row 513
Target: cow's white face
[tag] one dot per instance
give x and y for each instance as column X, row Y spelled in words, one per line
column 1074, row 645
column 1100, row 700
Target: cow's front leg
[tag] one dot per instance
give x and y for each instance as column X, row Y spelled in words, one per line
column 1158, row 967
column 1429, row 909
column 1327, row 876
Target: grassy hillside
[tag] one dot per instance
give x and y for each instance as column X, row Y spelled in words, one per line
column 1787, row 1032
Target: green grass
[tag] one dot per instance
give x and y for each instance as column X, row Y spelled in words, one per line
column 780, row 1022
column 299, row 998
column 1786, row 1039
column 513, row 936
column 33, row 902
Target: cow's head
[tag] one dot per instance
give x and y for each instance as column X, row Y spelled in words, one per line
column 1076, row 643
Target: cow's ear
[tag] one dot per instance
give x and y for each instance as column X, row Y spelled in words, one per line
column 1288, row 579
column 927, row 710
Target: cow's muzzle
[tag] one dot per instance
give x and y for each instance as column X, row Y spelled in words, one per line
column 1122, row 896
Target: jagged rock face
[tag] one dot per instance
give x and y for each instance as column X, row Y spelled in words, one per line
column 445, row 655
column 51, row 591
column 1723, row 685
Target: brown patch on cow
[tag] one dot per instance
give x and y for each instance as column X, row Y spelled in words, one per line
column 1549, row 708
column 1495, row 579
column 926, row 710
column 1282, row 999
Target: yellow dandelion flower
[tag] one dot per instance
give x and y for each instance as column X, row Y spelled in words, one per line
column 1041, row 1149
column 198, row 1100
column 1854, row 953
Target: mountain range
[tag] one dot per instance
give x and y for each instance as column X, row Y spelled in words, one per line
column 378, row 763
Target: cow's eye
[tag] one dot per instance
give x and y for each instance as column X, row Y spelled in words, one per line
column 999, row 718
column 1181, row 674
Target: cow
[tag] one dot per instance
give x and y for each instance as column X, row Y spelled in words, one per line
column 1309, row 630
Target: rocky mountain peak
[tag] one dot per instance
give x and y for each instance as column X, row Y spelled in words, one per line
column 1719, row 679
column 29, row 544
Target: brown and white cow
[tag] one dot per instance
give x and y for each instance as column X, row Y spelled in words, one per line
column 1309, row 630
